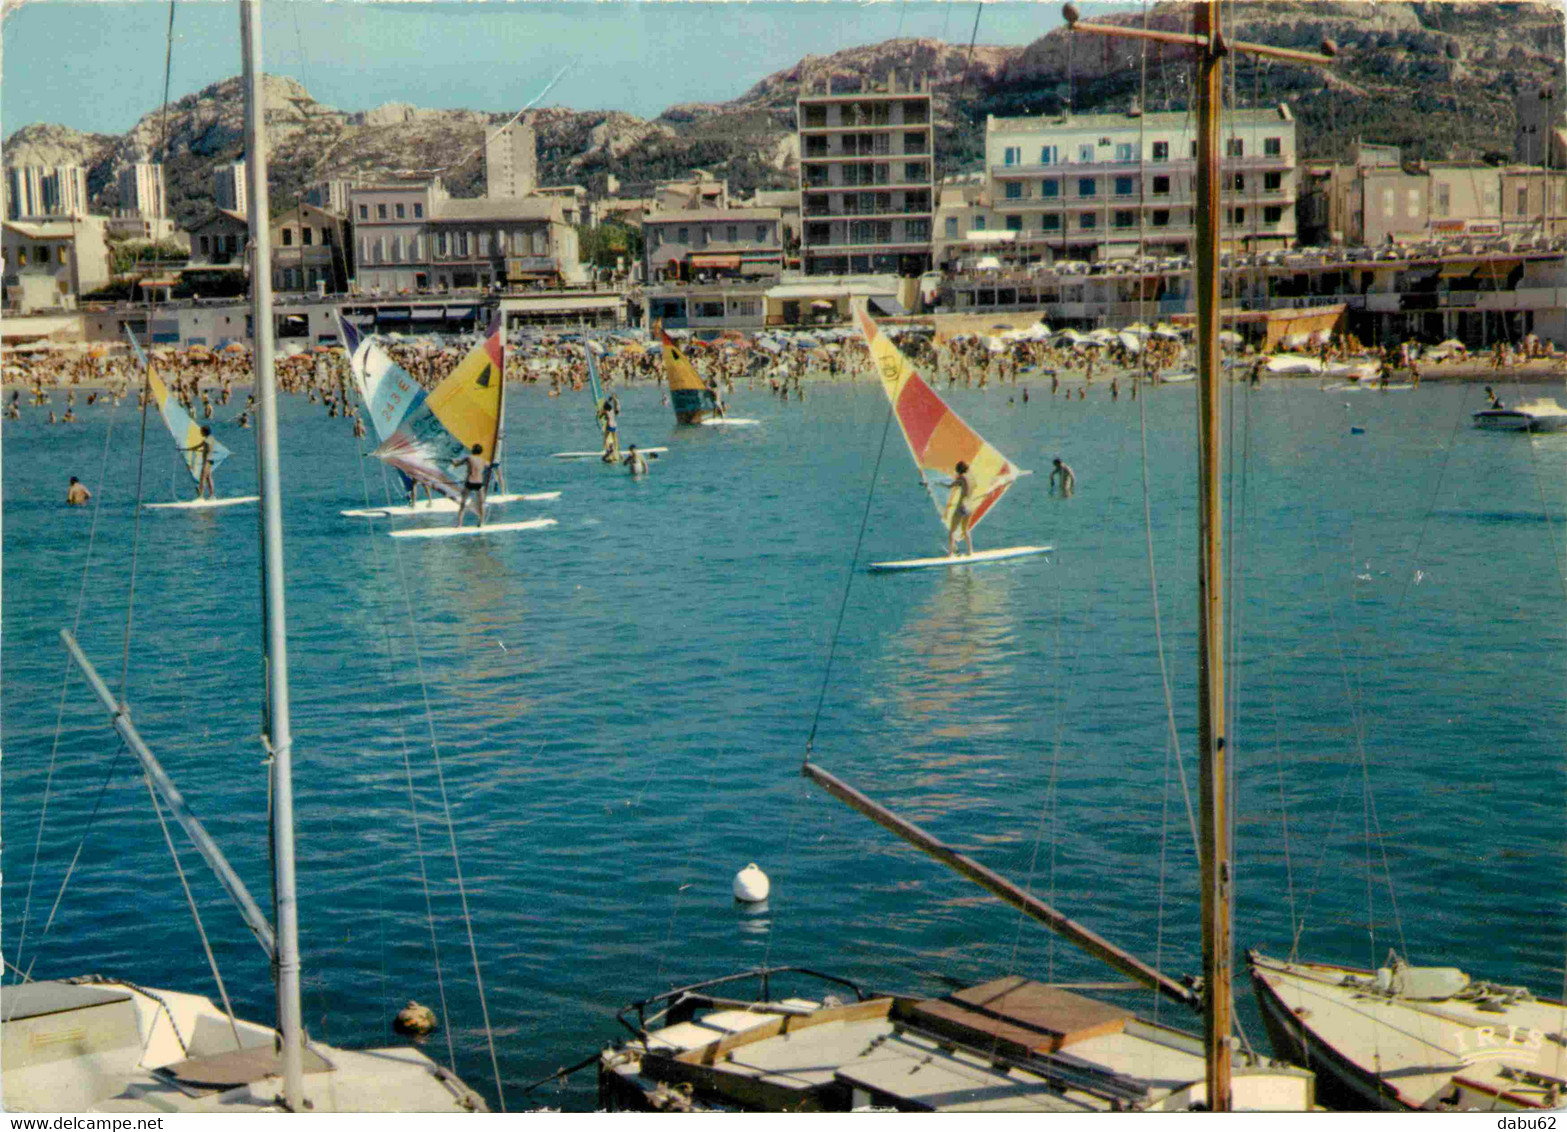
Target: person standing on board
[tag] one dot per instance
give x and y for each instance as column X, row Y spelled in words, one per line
column 635, row 462
column 77, row 494
column 478, row 469
column 1068, row 479
column 610, row 414
column 958, row 501
column 715, row 396
column 203, row 449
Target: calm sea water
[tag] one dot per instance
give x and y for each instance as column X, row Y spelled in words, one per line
column 621, row 704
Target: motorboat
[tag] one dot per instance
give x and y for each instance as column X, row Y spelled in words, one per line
column 1540, row 415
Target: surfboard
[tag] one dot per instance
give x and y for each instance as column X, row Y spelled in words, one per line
column 979, row 557
column 599, row 455
column 443, row 506
column 714, row 422
column 487, row 529
column 203, row 504
column 1367, row 387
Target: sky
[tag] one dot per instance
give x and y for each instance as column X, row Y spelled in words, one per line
column 640, row 56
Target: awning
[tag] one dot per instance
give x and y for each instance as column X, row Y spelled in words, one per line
column 461, row 312
column 426, row 313
column 1497, row 268
column 721, row 262
column 886, row 306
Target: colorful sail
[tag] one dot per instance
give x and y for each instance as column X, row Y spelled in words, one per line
column 594, row 383
column 388, row 391
column 440, row 428
column 686, row 392
column 186, row 432
column 937, row 437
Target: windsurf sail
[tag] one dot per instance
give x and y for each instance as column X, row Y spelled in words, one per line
column 439, row 428
column 937, row 437
column 686, row 392
column 594, row 383
column 387, row 389
column 186, row 432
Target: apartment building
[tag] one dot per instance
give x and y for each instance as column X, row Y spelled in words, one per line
column 391, row 249
column 485, row 243
column 511, row 162
column 220, row 240
column 142, row 191
column 307, row 251
column 867, row 179
column 1102, row 186
column 45, row 190
column 228, row 188
column 331, row 196
column 48, row 263
column 713, row 243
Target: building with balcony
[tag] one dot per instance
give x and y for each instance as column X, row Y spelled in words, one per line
column 228, row 188
column 513, row 243
column 45, row 190
column 50, row 262
column 1105, row 186
column 511, row 162
column 307, row 251
column 141, row 190
column 715, row 243
column 867, row 187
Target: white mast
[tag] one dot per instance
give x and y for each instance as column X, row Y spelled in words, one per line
column 278, row 735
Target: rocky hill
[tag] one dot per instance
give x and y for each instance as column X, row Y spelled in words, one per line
column 1434, row 78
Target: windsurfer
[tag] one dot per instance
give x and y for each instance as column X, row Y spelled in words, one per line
column 1068, row 478
column 958, row 504
column 609, row 413
column 204, row 488
column 715, row 396
column 478, row 469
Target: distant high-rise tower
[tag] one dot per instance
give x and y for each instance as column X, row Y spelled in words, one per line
column 330, row 195
column 45, row 190
column 511, row 162
column 141, row 191
column 228, row 187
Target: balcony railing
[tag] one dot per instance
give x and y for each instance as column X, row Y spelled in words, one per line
column 1086, row 168
column 868, row 214
column 845, row 242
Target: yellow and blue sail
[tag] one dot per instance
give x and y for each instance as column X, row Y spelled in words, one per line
column 186, row 432
column 594, row 384
column 438, row 429
column 687, row 394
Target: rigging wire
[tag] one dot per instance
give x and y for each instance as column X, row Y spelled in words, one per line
column 478, row 149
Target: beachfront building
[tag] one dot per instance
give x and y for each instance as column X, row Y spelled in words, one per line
column 391, row 249
column 220, row 240
column 307, row 245
column 50, row 262
column 511, row 162
column 228, row 187
column 1102, row 186
column 513, row 243
column 1534, row 201
column 712, row 244
column 142, row 191
column 45, row 190
column 867, row 188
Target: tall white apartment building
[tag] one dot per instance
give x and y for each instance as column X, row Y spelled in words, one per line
column 1099, row 186
column 228, row 188
column 511, row 162
column 867, row 188
column 141, row 191
column 45, row 190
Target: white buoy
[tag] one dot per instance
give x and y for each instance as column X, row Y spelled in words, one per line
column 752, row 885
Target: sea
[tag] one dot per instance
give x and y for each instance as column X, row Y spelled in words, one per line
column 533, row 762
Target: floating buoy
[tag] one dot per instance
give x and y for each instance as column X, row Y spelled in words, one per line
column 414, row 1019
column 752, row 885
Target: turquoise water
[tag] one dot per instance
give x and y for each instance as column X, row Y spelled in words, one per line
column 621, row 704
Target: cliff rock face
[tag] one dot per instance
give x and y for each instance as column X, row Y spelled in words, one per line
column 1434, row 78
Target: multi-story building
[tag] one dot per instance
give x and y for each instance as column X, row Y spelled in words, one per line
column 787, row 202
column 330, row 195
column 307, row 251
column 573, row 198
column 1540, row 116
column 715, row 242
column 1103, row 186
column 220, row 240
column 50, row 262
column 485, row 243
column 228, row 188
column 511, row 162
column 1375, row 199
column 867, row 179
column 700, row 191
column 45, row 190
column 141, row 190
column 392, row 253
column 1534, row 201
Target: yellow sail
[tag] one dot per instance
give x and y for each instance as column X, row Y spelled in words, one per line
column 468, row 402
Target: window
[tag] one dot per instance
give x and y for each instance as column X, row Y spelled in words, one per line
column 397, row 249
column 326, row 237
column 1161, row 218
column 1161, row 186
column 288, row 237
column 1014, row 190
column 380, row 249
column 364, row 212
column 1088, row 220
column 952, row 227
column 734, row 234
column 1050, row 187
column 1194, row 151
column 21, row 257
column 1389, row 205
column 761, row 233
column 364, row 249
column 1272, row 147
column 1125, row 186
column 418, row 211
column 1235, row 147
column 1523, row 200
column 441, row 245
column 1125, row 152
column 1049, row 155
column 1161, row 151
column 1272, row 213
column 1087, row 186
column 1412, row 204
column 484, row 243
column 1085, row 154
column 916, row 230
column 1012, row 155
column 1125, row 218
column 1014, row 223
column 1051, row 223
column 461, row 242
column 1238, row 183
column 684, row 236
column 1272, row 182
column 1444, row 199
column 416, row 249
column 912, row 143
column 1240, row 216
column 205, row 245
column 979, row 223
column 400, row 210
column 307, row 235
column 380, row 212
column 912, row 171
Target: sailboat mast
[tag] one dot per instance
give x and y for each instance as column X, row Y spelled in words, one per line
column 1214, row 825
column 279, row 737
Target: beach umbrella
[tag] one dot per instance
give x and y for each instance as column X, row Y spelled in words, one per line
column 807, row 343
column 1230, row 338
column 1138, row 328
column 1132, row 342
column 994, row 344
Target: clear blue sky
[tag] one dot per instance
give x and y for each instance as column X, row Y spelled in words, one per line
column 97, row 65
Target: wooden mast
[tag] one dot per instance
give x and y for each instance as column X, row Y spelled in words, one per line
column 1215, row 849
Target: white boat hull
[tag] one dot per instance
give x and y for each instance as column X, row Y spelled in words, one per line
column 204, row 504
column 715, row 422
column 474, row 529
column 1550, row 418
column 978, row 558
column 444, row 506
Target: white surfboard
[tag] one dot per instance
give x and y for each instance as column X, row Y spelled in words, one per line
column 444, row 506
column 204, row 504
column 979, row 557
column 599, row 455
column 713, row 422
column 1367, row 387
column 474, row 529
